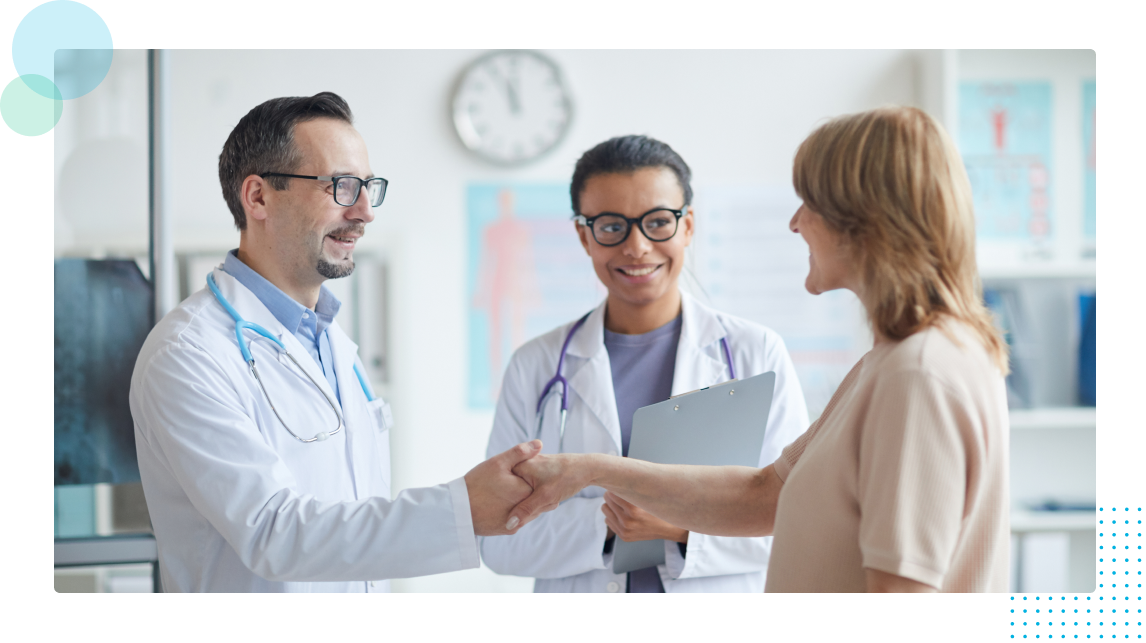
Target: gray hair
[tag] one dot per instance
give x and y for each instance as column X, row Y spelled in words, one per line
column 263, row 141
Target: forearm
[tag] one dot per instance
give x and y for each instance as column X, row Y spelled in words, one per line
column 722, row 501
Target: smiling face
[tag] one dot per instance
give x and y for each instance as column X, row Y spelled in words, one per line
column 638, row 273
column 830, row 264
column 312, row 236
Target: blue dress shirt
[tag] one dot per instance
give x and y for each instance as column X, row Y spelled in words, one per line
column 308, row 326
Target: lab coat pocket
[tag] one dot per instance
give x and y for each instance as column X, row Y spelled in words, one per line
column 380, row 414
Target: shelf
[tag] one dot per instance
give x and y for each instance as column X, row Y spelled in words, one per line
column 1040, row 271
column 1080, row 417
column 1024, row 521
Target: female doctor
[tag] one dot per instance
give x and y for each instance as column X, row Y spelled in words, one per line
column 646, row 342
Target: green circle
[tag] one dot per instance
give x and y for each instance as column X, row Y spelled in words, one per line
column 25, row 107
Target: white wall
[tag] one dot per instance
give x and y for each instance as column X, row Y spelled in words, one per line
column 736, row 117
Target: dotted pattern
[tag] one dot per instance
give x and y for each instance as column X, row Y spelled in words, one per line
column 1113, row 611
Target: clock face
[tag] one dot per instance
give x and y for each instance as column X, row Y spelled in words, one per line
column 511, row 106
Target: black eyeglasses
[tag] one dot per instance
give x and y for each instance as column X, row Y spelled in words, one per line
column 611, row 229
column 347, row 188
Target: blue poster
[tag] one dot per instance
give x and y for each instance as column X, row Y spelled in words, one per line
column 1090, row 193
column 1005, row 140
column 526, row 274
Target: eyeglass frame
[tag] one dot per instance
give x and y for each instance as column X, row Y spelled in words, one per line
column 588, row 222
column 334, row 179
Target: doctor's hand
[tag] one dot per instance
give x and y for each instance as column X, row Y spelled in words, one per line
column 632, row 524
column 553, row 478
column 494, row 489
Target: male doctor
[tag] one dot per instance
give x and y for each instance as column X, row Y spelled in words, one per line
column 251, row 483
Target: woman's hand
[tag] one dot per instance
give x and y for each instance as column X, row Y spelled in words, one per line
column 553, row 478
column 632, row 524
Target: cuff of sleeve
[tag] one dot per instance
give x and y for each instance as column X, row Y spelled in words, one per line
column 678, row 565
column 602, row 530
column 782, row 468
column 906, row 569
column 463, row 519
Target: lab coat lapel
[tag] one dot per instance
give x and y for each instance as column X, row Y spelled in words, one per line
column 254, row 311
column 590, row 376
column 345, row 351
column 354, row 410
column 699, row 356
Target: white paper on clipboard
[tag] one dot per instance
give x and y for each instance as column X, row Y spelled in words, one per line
column 718, row 425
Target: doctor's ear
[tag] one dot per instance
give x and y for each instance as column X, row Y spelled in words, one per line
column 583, row 233
column 253, row 194
column 688, row 225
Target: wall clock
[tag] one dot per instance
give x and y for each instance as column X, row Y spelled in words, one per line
column 511, row 106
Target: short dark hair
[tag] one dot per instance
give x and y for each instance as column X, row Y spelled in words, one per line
column 263, row 141
column 626, row 154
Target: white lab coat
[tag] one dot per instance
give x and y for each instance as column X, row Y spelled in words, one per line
column 563, row 549
column 238, row 504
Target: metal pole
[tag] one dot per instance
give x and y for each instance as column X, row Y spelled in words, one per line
column 162, row 251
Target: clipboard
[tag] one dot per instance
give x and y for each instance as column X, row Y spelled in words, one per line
column 718, row 425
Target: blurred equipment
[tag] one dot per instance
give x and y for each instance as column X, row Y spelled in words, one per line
column 102, row 315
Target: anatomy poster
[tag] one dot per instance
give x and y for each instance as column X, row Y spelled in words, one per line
column 1090, row 193
column 1005, row 140
column 527, row 274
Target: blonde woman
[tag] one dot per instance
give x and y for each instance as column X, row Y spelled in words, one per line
column 902, row 483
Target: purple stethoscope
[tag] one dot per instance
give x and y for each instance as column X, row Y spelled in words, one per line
column 560, row 379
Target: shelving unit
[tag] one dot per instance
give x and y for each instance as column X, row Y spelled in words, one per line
column 1025, row 521
column 1052, row 457
column 1065, row 253
column 1071, row 417
column 1059, row 270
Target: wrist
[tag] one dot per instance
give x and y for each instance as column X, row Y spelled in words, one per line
column 594, row 469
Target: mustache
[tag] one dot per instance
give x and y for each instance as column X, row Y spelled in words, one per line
column 357, row 229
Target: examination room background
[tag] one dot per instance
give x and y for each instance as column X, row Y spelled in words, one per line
column 735, row 116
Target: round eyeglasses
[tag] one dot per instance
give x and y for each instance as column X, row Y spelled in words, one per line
column 611, row 229
column 347, row 188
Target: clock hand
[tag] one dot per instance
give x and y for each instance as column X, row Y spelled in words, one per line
column 514, row 101
column 511, row 88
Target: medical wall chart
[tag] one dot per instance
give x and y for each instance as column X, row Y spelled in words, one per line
column 1005, row 140
column 526, row 274
column 748, row 263
column 1089, row 185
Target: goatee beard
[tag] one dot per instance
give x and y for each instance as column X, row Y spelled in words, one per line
column 333, row 270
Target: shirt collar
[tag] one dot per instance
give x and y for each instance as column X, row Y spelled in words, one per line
column 287, row 311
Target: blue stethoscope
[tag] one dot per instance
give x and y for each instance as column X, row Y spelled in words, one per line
column 560, row 379
column 244, row 348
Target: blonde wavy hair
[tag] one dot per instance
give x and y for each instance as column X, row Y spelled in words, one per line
column 892, row 183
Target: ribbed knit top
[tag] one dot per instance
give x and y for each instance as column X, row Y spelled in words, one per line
column 906, row 472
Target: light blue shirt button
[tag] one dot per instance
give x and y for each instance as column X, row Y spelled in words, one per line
column 613, row 587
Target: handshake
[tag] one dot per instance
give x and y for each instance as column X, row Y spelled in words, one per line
column 514, row 487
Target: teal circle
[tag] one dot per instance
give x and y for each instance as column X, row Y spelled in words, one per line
column 65, row 42
column 25, row 109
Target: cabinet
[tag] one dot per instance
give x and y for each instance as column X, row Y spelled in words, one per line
column 1040, row 273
